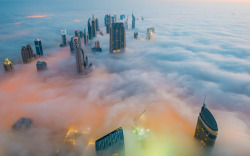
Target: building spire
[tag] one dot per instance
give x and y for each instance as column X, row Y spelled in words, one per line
column 204, row 105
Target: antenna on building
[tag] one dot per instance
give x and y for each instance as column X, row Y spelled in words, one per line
column 204, row 105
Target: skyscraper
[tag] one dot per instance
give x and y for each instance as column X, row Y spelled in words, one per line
column 39, row 48
column 117, row 37
column 97, row 25
column 111, row 144
column 150, row 32
column 135, row 35
column 206, row 129
column 27, row 54
column 126, row 24
column 106, row 19
column 108, row 25
column 8, row 66
column 89, row 29
column 122, row 17
column 41, row 66
column 79, row 58
column 93, row 27
column 97, row 47
column 77, row 34
column 64, row 38
column 85, row 36
column 73, row 42
column 22, row 123
column 133, row 21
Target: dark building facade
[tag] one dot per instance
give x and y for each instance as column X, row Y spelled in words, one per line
column 93, row 27
column 64, row 38
column 89, row 29
column 41, row 66
column 135, row 35
column 97, row 24
column 77, row 33
column 39, row 48
column 97, row 47
column 111, row 144
column 206, row 129
column 22, row 123
column 85, row 36
column 133, row 21
column 73, row 42
column 117, row 37
column 27, row 54
column 122, row 17
column 79, row 58
column 108, row 24
column 7, row 65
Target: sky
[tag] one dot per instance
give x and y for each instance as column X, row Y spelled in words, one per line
column 199, row 49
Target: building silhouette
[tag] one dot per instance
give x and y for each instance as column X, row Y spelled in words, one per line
column 108, row 24
column 85, row 36
column 41, row 66
column 22, row 123
column 7, row 65
column 79, row 58
column 93, row 27
column 135, row 35
column 150, row 33
column 133, row 21
column 77, row 33
column 97, row 24
column 97, row 47
column 117, row 37
column 64, row 38
column 206, row 129
column 73, row 42
column 106, row 19
column 111, row 144
column 126, row 24
column 27, row 54
column 39, row 48
column 89, row 29
column 122, row 17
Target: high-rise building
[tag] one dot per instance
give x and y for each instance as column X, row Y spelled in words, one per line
column 97, row 24
column 90, row 29
column 117, row 37
column 41, row 66
column 108, row 25
column 73, row 42
column 93, row 27
column 22, row 123
column 150, row 32
column 106, row 19
column 79, row 58
column 133, row 21
column 122, row 17
column 111, row 144
column 135, row 35
column 85, row 36
column 39, row 48
column 7, row 65
column 206, row 129
column 64, row 38
column 27, row 54
column 77, row 34
column 97, row 47
column 126, row 24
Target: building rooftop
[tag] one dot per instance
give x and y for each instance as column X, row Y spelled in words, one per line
column 208, row 118
column 22, row 123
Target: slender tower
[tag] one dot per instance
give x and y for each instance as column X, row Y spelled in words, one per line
column 206, row 129
column 133, row 21
column 39, row 48
column 93, row 26
column 89, row 29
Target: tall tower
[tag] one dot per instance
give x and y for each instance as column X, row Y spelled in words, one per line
column 39, row 48
column 27, row 54
column 133, row 21
column 8, row 66
column 85, row 36
column 79, row 58
column 73, row 42
column 93, row 27
column 117, row 37
column 108, row 25
column 64, row 37
column 206, row 129
column 77, row 34
column 97, row 25
column 89, row 29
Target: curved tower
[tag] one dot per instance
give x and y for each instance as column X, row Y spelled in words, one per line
column 206, row 129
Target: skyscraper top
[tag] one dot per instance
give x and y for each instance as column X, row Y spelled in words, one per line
column 63, row 32
column 208, row 118
column 38, row 39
